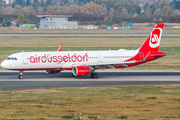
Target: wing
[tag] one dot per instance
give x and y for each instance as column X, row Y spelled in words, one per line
column 106, row 64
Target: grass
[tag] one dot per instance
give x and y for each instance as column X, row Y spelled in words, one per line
column 108, row 103
column 10, row 45
column 148, row 30
column 76, row 41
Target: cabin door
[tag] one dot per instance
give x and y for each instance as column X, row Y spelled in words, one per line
column 25, row 60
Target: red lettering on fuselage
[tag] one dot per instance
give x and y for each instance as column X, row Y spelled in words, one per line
column 65, row 58
column 32, row 59
column 59, row 59
column 49, row 57
column 79, row 58
column 54, row 58
column 43, row 58
column 73, row 58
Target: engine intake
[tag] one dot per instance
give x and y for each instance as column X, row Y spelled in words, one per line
column 52, row 71
column 80, row 70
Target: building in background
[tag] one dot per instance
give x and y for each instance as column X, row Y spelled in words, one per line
column 9, row 1
column 56, row 22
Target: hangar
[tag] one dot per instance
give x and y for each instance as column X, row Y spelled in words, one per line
column 56, row 22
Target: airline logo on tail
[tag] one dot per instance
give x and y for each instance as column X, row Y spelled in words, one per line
column 153, row 41
column 155, row 38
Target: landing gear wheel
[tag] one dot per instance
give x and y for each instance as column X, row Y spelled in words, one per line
column 94, row 75
column 21, row 74
column 20, row 77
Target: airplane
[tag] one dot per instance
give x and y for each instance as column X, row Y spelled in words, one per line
column 83, row 63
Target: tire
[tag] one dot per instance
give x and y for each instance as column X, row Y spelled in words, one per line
column 20, row 77
column 94, row 75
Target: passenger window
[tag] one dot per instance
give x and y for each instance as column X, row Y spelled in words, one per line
column 15, row 58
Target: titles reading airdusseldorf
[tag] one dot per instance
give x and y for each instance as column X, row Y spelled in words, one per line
column 66, row 58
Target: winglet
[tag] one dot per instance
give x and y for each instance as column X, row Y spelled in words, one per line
column 60, row 47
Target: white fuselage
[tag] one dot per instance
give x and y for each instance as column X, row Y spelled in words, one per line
column 66, row 59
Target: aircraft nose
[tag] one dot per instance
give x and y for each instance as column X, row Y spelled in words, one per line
column 4, row 65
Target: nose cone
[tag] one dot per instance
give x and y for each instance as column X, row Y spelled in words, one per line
column 4, row 65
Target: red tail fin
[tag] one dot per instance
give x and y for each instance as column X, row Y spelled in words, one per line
column 153, row 41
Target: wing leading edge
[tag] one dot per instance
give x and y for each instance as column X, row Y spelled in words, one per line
column 106, row 64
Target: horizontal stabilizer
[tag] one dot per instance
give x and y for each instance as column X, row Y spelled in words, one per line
column 158, row 55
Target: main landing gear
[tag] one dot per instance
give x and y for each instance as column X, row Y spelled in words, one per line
column 21, row 75
column 94, row 75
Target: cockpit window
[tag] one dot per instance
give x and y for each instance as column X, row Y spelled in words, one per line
column 11, row 58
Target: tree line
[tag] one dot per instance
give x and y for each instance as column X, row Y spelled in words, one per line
column 107, row 11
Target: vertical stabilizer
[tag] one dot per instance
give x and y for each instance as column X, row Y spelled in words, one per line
column 153, row 41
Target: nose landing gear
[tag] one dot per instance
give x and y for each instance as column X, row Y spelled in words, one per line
column 21, row 75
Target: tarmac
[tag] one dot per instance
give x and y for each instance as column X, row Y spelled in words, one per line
column 39, row 79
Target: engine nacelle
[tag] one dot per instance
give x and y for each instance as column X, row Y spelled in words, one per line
column 80, row 70
column 52, row 71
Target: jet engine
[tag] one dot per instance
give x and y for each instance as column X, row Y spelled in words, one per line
column 80, row 70
column 52, row 71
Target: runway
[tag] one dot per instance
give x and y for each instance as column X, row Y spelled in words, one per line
column 83, row 34
column 39, row 79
